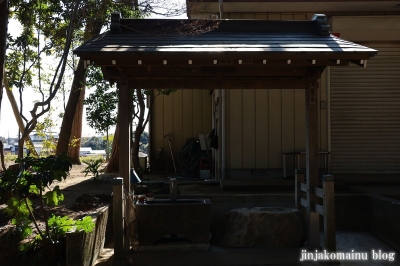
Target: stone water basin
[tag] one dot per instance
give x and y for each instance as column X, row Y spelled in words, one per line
column 189, row 218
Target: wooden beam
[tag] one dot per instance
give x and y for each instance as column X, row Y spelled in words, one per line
column 319, row 209
column 206, row 71
column 312, row 159
column 224, row 83
column 303, row 187
column 224, row 58
column 304, row 203
column 319, row 192
column 284, row 61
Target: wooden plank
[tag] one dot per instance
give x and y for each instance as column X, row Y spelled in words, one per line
column 249, row 113
column 232, row 83
column 274, row 16
column 197, row 101
column 234, row 15
column 319, row 192
column 206, row 118
column 157, row 129
column 275, row 128
column 300, row 122
column 236, row 129
column 261, row 127
column 263, row 16
column 247, row 15
column 299, row 179
column 303, row 187
column 304, row 202
column 288, row 127
column 319, row 209
column 300, row 16
column 287, row 16
column 168, row 125
column 187, row 114
column 177, row 137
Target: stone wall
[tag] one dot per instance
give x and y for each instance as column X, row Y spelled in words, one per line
column 384, row 219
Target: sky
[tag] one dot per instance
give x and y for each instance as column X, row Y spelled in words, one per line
column 8, row 125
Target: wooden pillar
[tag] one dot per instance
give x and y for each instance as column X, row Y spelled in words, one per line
column 312, row 160
column 329, row 216
column 124, row 119
column 118, row 222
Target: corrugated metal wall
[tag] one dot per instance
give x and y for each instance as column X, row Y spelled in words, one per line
column 365, row 114
column 183, row 114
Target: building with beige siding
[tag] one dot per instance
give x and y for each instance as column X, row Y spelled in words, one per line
column 262, row 133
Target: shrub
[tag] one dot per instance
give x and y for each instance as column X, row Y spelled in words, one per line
column 34, row 175
column 93, row 167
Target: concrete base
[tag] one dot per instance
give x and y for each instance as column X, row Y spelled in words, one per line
column 172, row 247
column 220, row 256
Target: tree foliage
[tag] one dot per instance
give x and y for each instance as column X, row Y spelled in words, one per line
column 101, row 104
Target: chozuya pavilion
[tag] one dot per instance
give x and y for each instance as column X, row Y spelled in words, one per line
column 223, row 54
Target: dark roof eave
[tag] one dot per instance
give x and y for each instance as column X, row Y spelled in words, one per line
column 261, row 54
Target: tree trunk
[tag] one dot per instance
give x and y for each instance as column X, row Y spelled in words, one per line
column 92, row 28
column 113, row 163
column 68, row 118
column 141, row 124
column 3, row 42
column 135, row 151
column 18, row 117
column 107, row 148
column 3, row 165
column 76, row 131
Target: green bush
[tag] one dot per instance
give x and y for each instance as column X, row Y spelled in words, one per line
column 33, row 177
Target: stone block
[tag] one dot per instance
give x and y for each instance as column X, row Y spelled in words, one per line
column 83, row 248
column 261, row 226
column 189, row 218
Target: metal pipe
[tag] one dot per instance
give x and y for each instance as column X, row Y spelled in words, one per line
column 328, row 110
column 221, row 9
column 223, row 133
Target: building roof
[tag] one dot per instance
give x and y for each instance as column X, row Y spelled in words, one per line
column 390, row 7
column 136, row 37
column 167, row 53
